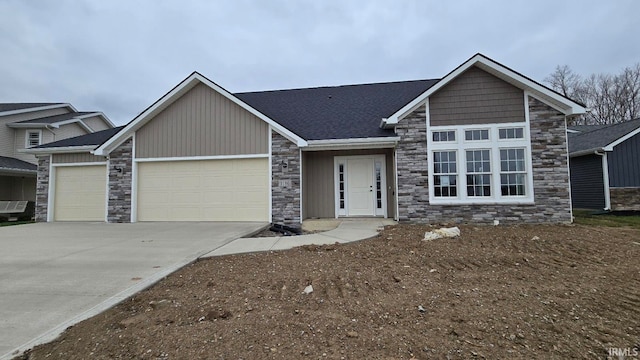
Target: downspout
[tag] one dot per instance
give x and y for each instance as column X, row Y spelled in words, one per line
column 605, row 179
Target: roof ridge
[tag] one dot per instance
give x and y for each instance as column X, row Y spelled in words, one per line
column 335, row 86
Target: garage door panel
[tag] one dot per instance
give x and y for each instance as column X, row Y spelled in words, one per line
column 207, row 190
column 80, row 193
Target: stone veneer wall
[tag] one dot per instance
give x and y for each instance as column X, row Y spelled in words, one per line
column 119, row 206
column 550, row 175
column 42, row 188
column 625, row 199
column 285, row 187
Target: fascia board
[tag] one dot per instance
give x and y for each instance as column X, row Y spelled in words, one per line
column 59, row 150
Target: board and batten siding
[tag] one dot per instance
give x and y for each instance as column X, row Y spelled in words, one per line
column 476, row 97
column 76, row 158
column 318, row 182
column 202, row 123
column 587, row 182
column 624, row 163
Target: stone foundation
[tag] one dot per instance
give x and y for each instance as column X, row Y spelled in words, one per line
column 625, row 199
column 285, row 181
column 42, row 188
column 120, row 172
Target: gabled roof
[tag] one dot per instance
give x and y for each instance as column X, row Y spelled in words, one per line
column 336, row 112
column 61, row 119
column 20, row 106
column 174, row 94
column 604, row 138
column 16, row 165
column 53, row 119
column 78, row 143
column 583, row 128
column 551, row 97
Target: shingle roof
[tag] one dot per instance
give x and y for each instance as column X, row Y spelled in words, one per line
column 599, row 138
column 95, row 138
column 585, row 128
column 20, row 106
column 9, row 163
column 54, row 118
column 336, row 112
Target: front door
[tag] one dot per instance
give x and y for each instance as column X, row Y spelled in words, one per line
column 360, row 187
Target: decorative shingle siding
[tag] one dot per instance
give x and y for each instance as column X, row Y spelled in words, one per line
column 285, row 181
column 550, row 175
column 625, row 199
column 42, row 188
column 119, row 206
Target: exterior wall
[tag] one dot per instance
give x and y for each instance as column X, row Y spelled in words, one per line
column 69, row 130
column 624, row 163
column 625, row 199
column 96, row 123
column 76, row 158
column 285, row 181
column 119, row 183
column 587, row 182
column 19, row 142
column 7, row 134
column 42, row 188
column 550, row 175
column 202, row 123
column 476, row 97
column 318, row 171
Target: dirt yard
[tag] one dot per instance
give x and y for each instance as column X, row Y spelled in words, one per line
column 544, row 292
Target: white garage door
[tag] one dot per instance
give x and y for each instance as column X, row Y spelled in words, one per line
column 80, row 193
column 204, row 190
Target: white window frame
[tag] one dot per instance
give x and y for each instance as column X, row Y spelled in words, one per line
column 494, row 144
column 442, row 141
column 27, row 138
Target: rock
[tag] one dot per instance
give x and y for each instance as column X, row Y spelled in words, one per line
column 352, row 334
column 442, row 233
column 308, row 290
column 496, row 222
column 421, row 309
column 159, row 304
column 218, row 314
column 396, row 279
column 535, row 238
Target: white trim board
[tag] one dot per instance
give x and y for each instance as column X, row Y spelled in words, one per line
column 198, row 158
column 39, row 108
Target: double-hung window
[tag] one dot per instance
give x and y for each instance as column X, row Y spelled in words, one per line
column 480, row 164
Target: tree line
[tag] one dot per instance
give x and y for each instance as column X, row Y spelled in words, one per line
column 610, row 98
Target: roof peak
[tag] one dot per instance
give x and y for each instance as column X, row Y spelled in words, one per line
column 337, row 86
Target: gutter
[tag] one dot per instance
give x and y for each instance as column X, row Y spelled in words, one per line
column 59, row 150
column 347, row 144
column 587, row 152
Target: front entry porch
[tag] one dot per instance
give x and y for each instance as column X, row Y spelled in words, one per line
column 348, row 183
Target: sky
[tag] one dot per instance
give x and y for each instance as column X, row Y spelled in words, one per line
column 120, row 56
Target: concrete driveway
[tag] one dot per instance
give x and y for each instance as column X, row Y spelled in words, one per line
column 53, row 275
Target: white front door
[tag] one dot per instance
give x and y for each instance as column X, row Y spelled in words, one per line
column 360, row 187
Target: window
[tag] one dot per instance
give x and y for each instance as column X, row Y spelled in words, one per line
column 495, row 159
column 478, row 173
column 512, row 172
column 475, row 135
column 445, row 176
column 378, row 173
column 33, row 138
column 441, row 136
column 341, row 184
column 511, row 133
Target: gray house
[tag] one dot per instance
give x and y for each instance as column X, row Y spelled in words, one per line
column 605, row 166
column 482, row 143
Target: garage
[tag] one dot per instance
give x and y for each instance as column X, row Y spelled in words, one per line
column 80, row 193
column 203, row 190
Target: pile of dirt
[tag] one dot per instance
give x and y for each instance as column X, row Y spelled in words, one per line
column 495, row 292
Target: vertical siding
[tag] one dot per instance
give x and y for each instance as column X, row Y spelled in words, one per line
column 587, row 184
column 96, row 123
column 202, row 123
column 624, row 163
column 76, row 158
column 318, row 182
column 476, row 97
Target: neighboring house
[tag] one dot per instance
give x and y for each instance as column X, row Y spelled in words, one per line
column 27, row 125
column 483, row 143
column 605, row 166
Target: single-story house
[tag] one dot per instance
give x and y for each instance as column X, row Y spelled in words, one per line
column 483, row 143
column 605, row 166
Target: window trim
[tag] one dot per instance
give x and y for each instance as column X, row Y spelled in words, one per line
column 27, row 144
column 494, row 144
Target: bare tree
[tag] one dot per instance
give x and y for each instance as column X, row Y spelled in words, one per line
column 610, row 98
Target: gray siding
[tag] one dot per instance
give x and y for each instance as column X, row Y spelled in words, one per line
column 69, row 130
column 202, row 123
column 318, row 186
column 587, row 184
column 476, row 97
column 624, row 163
column 96, row 123
column 76, row 158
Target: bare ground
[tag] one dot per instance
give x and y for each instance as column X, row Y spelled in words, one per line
column 496, row 292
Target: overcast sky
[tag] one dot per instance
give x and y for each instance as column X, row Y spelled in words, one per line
column 120, row 56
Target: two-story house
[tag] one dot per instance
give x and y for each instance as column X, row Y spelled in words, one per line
column 25, row 125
